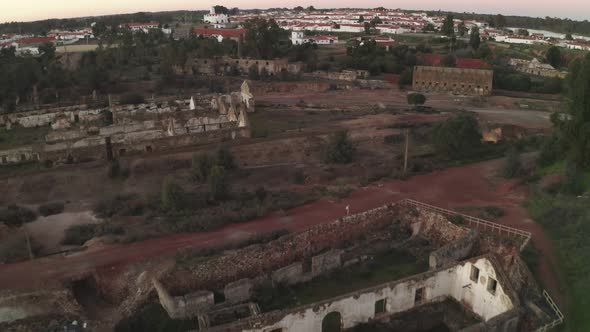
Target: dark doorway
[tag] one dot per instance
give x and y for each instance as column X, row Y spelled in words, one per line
column 332, row 322
column 109, row 148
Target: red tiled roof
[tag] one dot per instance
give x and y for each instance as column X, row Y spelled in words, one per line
column 434, row 60
column 35, row 40
column 471, row 63
column 228, row 33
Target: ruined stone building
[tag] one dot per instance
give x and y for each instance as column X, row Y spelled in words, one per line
column 535, row 67
column 81, row 134
column 477, row 82
column 492, row 288
column 226, row 65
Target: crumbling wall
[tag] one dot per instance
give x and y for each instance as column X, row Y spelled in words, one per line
column 189, row 305
column 21, row 305
column 18, row 155
column 454, row 251
column 256, row 260
column 290, row 274
column 326, row 262
column 238, row 291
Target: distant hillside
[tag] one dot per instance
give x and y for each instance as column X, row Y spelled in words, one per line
column 41, row 27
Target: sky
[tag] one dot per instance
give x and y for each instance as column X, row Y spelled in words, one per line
column 30, row 10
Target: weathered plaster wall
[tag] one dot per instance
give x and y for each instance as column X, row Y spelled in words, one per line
column 400, row 296
column 457, row 80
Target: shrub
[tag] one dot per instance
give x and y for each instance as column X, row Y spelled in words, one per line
column 340, row 149
column 218, row 184
column 513, row 166
column 49, row 209
column 131, row 99
column 116, row 171
column 416, row 99
column 551, row 152
column 457, row 137
column 14, row 215
column 492, row 213
column 120, row 204
column 574, row 180
column 79, row 234
column 225, row 159
column 172, row 196
column 200, row 167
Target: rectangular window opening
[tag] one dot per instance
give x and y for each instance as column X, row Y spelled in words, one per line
column 419, row 296
column 380, row 306
column 492, row 285
column 474, row 274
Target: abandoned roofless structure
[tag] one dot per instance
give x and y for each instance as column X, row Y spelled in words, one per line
column 474, row 278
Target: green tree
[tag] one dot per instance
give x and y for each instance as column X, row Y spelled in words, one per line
column 221, row 10
column 457, row 137
column 522, row 32
column 361, row 19
column 499, row 21
column 173, row 196
column 340, row 149
column 574, row 126
column 553, row 56
column 218, row 183
column 416, row 99
column 263, row 39
column 449, row 60
column 200, row 167
column 474, row 39
column 568, row 36
column 448, row 27
column 428, row 28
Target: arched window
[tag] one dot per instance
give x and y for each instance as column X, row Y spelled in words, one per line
column 332, row 322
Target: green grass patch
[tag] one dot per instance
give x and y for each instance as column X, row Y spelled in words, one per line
column 385, row 267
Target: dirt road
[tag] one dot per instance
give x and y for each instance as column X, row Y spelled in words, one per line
column 467, row 186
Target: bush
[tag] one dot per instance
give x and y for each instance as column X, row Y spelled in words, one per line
column 116, row 171
column 78, row 234
column 131, row 99
column 120, row 205
column 416, row 99
column 457, row 137
column 173, row 196
column 340, row 149
column 225, row 159
column 49, row 209
column 574, row 182
column 513, row 167
column 551, row 151
column 218, row 184
column 200, row 167
column 14, row 215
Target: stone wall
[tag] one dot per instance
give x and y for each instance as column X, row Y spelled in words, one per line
column 455, row 80
column 225, row 65
column 454, row 251
column 18, row 155
column 187, row 306
column 257, row 260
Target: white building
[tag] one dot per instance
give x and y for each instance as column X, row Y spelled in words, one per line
column 216, row 19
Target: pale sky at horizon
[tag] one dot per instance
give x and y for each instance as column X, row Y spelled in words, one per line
column 32, row 10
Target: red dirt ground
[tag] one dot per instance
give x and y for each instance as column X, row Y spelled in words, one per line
column 473, row 185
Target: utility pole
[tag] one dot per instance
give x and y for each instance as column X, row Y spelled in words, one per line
column 406, row 151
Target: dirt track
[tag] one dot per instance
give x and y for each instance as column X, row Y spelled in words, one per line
column 472, row 185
